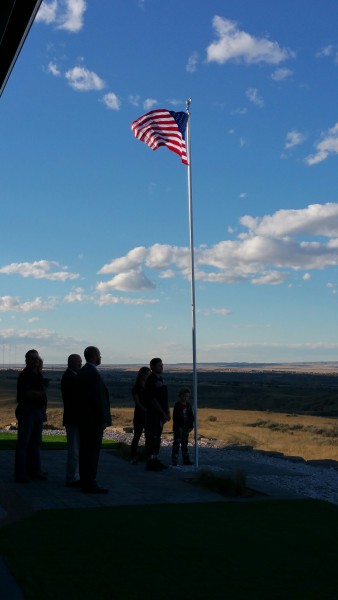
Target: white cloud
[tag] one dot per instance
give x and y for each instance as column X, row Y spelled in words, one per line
column 252, row 94
column 47, row 13
column 224, row 312
column 53, row 69
column 329, row 51
column 39, row 269
column 234, row 44
column 328, row 145
column 76, row 295
column 82, row 79
column 306, row 276
column 105, row 299
column 281, row 74
column 167, row 274
column 65, row 14
column 13, row 304
column 134, row 100
column 192, row 63
column 131, row 281
column 272, row 278
column 294, row 138
column 112, row 101
column 149, row 103
column 267, row 252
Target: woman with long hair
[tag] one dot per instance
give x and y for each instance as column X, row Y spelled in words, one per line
column 139, row 411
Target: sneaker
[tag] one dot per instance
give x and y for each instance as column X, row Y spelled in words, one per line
column 188, row 462
column 133, row 461
column 174, row 463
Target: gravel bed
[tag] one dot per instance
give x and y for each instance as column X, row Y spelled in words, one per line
column 317, row 482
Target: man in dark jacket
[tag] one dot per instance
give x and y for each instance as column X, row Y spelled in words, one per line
column 30, row 410
column 158, row 413
column 94, row 417
column 71, row 418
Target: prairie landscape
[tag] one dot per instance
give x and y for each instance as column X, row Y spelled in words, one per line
column 291, row 409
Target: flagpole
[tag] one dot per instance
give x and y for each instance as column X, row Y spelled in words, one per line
column 192, row 261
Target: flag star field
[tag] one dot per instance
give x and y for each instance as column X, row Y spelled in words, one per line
column 94, row 225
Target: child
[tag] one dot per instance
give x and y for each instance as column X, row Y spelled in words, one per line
column 183, row 423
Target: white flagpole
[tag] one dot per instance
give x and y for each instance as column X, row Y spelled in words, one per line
column 192, row 261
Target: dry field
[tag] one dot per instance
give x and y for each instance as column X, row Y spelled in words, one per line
column 228, row 403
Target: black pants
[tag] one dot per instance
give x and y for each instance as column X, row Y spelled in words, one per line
column 89, row 452
column 181, row 437
column 139, row 424
column 153, row 432
column 27, row 454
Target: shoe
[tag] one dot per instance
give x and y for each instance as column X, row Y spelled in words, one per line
column 22, row 479
column 74, row 484
column 174, row 463
column 133, row 461
column 39, row 476
column 188, row 462
column 94, row 489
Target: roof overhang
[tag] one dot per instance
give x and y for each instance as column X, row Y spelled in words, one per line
column 16, row 18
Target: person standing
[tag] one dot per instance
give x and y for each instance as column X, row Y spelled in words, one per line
column 139, row 410
column 94, row 417
column 71, row 418
column 158, row 413
column 30, row 411
column 183, row 424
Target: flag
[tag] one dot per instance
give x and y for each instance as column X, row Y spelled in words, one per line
column 163, row 128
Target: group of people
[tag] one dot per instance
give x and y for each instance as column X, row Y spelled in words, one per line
column 87, row 413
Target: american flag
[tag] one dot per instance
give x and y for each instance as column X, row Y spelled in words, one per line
column 163, row 128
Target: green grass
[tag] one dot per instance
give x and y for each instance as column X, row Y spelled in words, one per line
column 266, row 550
column 49, row 442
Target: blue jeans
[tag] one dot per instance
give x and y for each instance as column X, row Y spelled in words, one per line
column 27, row 454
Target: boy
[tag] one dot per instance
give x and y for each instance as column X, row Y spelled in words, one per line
column 183, row 424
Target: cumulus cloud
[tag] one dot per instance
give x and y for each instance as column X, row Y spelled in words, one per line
column 329, row 51
column 252, row 94
column 39, row 269
column 149, row 103
column 13, row 304
column 105, row 299
column 134, row 100
column 112, row 101
column 53, row 69
column 80, row 78
column 328, row 145
column 234, row 44
column 64, row 14
column 133, row 280
column 77, row 295
column 281, row 74
column 192, row 63
column 294, row 138
column 265, row 252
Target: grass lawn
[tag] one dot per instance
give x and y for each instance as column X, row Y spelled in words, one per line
column 49, row 442
column 266, row 550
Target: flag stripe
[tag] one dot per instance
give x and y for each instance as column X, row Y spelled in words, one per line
column 162, row 128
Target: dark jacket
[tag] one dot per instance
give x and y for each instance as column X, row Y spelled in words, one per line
column 92, row 397
column 180, row 420
column 69, row 398
column 29, row 380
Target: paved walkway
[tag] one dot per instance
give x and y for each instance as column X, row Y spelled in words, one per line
column 127, row 484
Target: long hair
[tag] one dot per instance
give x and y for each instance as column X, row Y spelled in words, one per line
column 141, row 375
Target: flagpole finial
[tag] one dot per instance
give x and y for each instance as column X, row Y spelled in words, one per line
column 188, row 102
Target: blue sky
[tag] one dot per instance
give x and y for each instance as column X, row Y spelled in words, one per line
column 94, row 228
